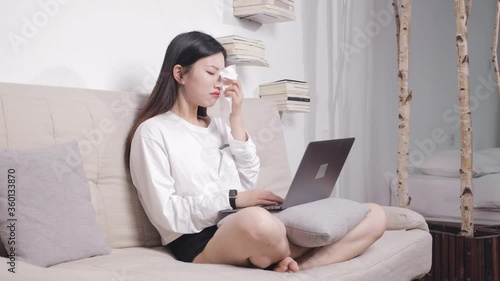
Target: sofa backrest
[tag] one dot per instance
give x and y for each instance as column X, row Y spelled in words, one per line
column 34, row 116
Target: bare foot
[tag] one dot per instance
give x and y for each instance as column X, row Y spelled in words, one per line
column 287, row 265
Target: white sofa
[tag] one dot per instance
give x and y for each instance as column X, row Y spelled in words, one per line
column 34, row 116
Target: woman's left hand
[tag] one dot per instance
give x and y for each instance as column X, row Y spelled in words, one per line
column 235, row 119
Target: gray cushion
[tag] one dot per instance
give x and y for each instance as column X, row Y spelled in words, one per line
column 53, row 220
column 321, row 222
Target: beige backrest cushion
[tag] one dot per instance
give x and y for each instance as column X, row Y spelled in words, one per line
column 40, row 116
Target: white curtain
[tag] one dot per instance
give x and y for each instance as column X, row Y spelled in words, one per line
column 338, row 65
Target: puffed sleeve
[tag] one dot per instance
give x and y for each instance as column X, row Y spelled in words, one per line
column 246, row 160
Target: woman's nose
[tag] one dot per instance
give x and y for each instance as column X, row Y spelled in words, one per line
column 218, row 83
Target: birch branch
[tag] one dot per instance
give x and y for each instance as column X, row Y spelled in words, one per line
column 405, row 97
column 468, row 9
column 466, row 196
column 495, row 47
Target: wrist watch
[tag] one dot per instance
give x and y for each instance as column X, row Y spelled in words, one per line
column 233, row 193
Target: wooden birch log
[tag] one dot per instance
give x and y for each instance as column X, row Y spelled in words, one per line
column 466, row 196
column 405, row 96
column 495, row 47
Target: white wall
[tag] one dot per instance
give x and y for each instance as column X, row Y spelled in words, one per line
column 433, row 79
column 120, row 45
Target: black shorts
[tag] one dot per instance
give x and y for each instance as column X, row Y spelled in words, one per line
column 188, row 246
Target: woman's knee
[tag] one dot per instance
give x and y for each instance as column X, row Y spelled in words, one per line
column 378, row 219
column 264, row 235
column 258, row 224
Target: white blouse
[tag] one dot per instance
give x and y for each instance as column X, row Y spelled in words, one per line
column 183, row 172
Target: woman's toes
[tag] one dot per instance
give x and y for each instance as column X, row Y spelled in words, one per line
column 287, row 265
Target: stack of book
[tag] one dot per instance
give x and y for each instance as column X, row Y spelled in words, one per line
column 243, row 51
column 289, row 95
column 264, row 11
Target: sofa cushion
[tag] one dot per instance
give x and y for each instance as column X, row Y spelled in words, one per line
column 50, row 218
column 398, row 255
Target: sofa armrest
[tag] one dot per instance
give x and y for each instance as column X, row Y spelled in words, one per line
column 401, row 218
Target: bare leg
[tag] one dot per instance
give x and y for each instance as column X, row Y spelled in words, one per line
column 354, row 243
column 251, row 237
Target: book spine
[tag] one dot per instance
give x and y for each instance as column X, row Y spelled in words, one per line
column 299, row 99
column 285, row 97
column 284, row 91
column 245, row 52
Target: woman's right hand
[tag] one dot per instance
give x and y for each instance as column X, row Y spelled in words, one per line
column 256, row 197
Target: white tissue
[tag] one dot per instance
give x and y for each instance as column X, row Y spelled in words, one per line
column 226, row 103
column 229, row 73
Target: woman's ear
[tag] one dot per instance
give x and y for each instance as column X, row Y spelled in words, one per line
column 177, row 72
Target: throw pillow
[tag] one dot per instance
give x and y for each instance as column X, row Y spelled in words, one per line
column 46, row 215
column 321, row 222
column 446, row 163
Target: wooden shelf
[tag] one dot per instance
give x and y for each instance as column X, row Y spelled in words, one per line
column 264, row 11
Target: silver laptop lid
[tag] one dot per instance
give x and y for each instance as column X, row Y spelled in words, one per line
column 318, row 171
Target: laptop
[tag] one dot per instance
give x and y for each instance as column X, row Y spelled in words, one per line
column 317, row 174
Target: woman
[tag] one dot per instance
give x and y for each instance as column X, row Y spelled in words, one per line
column 185, row 172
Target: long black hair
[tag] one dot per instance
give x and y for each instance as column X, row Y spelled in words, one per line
column 185, row 49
